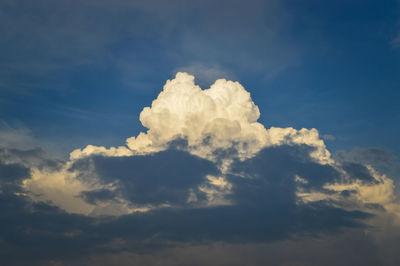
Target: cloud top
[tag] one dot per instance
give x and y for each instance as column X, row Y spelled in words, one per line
column 223, row 114
column 219, row 118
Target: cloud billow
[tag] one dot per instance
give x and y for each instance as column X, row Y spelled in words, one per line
column 205, row 171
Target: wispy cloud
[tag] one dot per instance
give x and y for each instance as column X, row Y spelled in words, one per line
column 396, row 41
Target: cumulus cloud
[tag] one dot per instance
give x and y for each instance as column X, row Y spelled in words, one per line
column 224, row 114
column 204, row 170
column 219, row 118
column 220, row 126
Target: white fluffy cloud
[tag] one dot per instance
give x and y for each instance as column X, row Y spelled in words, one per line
column 221, row 117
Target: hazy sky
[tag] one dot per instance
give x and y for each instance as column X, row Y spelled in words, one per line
column 199, row 132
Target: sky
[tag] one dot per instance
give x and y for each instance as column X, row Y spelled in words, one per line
column 199, row 132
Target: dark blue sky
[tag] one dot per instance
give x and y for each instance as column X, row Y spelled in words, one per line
column 78, row 73
column 206, row 184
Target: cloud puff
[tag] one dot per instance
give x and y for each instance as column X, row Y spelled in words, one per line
column 219, row 118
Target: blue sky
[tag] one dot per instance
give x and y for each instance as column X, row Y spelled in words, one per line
column 76, row 72
column 100, row 163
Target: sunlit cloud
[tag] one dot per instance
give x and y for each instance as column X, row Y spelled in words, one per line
column 204, row 169
column 218, row 125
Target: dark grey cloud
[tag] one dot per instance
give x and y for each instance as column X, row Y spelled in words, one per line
column 277, row 167
column 29, row 158
column 163, row 177
column 264, row 212
column 354, row 162
column 31, row 232
column 264, row 207
column 11, row 176
column 358, row 171
column 99, row 195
